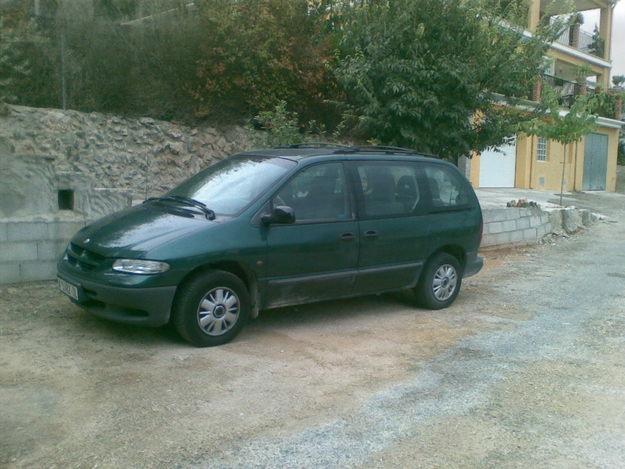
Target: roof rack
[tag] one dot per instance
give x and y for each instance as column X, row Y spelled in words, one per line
column 378, row 149
column 313, row 145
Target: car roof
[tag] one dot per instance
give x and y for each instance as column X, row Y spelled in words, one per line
column 334, row 152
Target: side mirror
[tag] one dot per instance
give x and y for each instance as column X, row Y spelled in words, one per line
column 281, row 214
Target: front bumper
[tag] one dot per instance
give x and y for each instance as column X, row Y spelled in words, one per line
column 149, row 306
column 473, row 266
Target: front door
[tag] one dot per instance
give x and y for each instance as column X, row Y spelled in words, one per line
column 393, row 233
column 595, row 162
column 314, row 258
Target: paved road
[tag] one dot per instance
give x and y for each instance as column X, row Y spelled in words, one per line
column 527, row 369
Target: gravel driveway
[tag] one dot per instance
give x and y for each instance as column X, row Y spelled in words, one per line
column 526, row 369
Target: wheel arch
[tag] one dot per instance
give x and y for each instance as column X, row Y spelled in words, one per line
column 235, row 268
column 454, row 250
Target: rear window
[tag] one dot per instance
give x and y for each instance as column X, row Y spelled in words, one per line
column 446, row 187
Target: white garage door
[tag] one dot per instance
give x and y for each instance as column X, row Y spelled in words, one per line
column 497, row 168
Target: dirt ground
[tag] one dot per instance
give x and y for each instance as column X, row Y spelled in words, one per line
column 526, row 369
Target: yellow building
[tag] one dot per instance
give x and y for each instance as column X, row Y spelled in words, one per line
column 536, row 163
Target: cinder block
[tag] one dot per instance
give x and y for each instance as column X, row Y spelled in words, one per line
column 513, row 213
column 32, row 271
column 509, row 225
column 63, row 230
column 516, row 236
column 26, row 231
column 17, row 251
column 523, row 223
column 495, row 214
column 530, row 234
column 543, row 230
column 50, row 250
column 9, row 272
column 496, row 239
column 494, row 227
column 535, row 221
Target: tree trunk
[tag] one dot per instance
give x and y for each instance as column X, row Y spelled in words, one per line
column 562, row 181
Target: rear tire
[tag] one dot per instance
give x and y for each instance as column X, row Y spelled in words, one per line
column 211, row 308
column 440, row 282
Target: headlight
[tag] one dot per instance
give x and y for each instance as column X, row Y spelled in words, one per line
column 137, row 266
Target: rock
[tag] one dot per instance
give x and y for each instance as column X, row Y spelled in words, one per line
column 588, row 218
column 555, row 218
column 571, row 220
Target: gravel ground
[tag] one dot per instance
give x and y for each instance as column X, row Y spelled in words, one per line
column 526, row 369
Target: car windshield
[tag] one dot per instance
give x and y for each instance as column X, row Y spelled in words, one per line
column 230, row 185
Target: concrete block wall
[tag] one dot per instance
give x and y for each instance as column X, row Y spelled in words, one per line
column 505, row 226
column 29, row 250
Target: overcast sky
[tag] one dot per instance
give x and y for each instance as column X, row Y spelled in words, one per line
column 618, row 35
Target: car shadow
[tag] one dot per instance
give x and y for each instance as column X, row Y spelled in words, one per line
column 325, row 312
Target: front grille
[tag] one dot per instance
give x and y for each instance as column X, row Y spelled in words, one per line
column 83, row 258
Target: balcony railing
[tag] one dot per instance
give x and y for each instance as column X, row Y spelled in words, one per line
column 580, row 40
column 604, row 104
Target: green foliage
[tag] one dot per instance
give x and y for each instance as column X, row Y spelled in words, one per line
column 607, row 104
column 550, row 122
column 279, row 127
column 621, row 152
column 174, row 59
column 256, row 54
column 597, row 46
column 618, row 80
column 14, row 66
column 426, row 73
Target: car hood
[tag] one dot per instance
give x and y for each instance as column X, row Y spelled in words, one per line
column 137, row 230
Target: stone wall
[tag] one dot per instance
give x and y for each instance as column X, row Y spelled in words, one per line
column 74, row 150
column 516, row 226
column 105, row 162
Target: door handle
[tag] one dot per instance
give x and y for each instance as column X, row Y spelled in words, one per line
column 348, row 236
column 371, row 234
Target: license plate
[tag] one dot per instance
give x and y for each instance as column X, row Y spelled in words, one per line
column 69, row 289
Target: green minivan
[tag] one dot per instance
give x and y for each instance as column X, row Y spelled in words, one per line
column 271, row 228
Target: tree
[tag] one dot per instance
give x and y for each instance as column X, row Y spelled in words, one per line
column 597, row 45
column 12, row 67
column 618, row 80
column 417, row 72
column 564, row 127
column 256, row 54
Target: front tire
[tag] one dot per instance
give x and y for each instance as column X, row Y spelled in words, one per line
column 440, row 282
column 211, row 309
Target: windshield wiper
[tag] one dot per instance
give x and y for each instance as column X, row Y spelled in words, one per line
column 208, row 213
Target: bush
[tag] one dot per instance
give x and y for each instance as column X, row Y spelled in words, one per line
column 215, row 59
column 277, row 127
column 257, row 54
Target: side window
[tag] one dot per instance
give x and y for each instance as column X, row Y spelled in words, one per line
column 317, row 193
column 389, row 189
column 446, row 188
